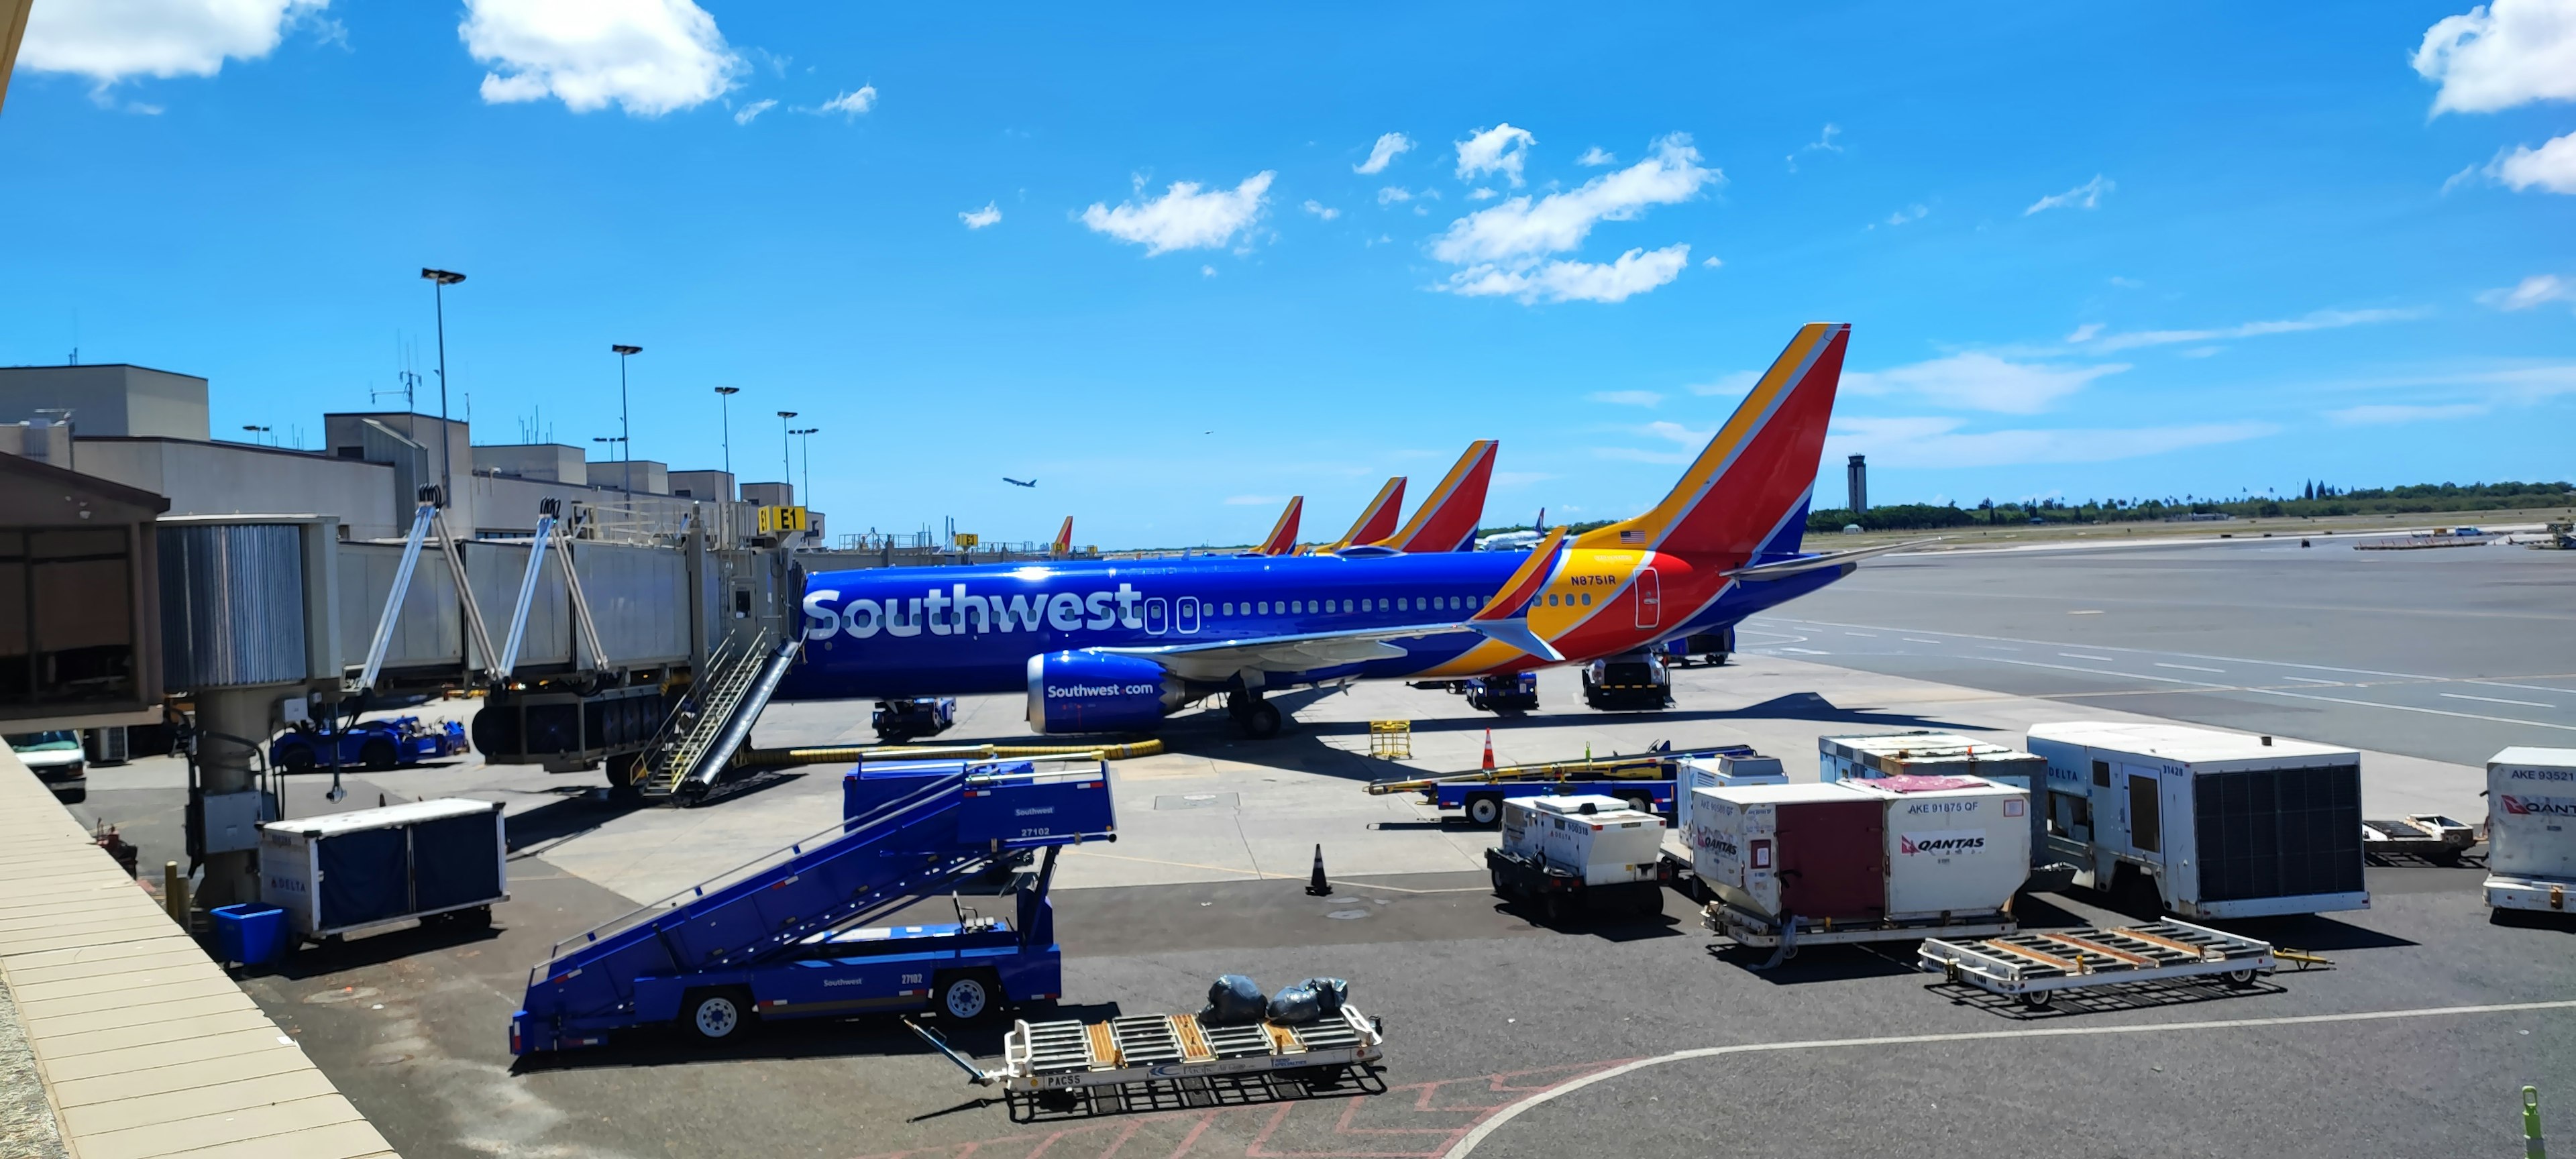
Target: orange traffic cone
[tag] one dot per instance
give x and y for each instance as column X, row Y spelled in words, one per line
column 1489, row 750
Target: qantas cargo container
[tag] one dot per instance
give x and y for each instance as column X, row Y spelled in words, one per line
column 2205, row 823
column 1860, row 860
column 2531, row 828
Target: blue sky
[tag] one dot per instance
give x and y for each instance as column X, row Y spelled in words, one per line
column 2120, row 250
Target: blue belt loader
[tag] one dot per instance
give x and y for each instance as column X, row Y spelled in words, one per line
column 783, row 937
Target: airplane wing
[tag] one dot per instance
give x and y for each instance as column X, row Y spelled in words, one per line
column 1782, row 569
column 1215, row 660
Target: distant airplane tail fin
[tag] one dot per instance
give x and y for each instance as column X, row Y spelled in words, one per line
column 1758, row 470
column 1540, row 524
column 1064, row 538
column 1377, row 520
column 1282, row 539
column 1448, row 516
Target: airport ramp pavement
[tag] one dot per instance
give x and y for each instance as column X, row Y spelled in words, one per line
column 144, row 1047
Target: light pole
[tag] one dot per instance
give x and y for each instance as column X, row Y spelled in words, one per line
column 724, row 414
column 439, row 281
column 625, row 433
column 805, row 491
column 620, row 440
column 786, row 460
column 255, row 433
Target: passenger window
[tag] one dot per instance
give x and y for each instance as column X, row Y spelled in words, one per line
column 1587, row 599
column 1228, row 607
column 1400, row 604
column 1551, row 601
column 1265, row 607
column 1346, row 605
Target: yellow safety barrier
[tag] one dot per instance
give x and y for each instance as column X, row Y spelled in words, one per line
column 788, row 758
column 1391, row 739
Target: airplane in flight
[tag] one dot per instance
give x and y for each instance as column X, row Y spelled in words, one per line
column 1117, row 649
column 1019, row 483
column 1516, row 540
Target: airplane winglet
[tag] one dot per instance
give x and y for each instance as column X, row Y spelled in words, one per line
column 1525, row 584
column 1516, row 632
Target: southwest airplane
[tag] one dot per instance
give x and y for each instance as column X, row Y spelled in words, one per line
column 1446, row 521
column 1118, row 648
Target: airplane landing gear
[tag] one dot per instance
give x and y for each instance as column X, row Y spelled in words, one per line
column 1258, row 718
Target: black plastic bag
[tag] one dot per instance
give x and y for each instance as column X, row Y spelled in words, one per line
column 1296, row 1004
column 1330, row 993
column 1233, row 1000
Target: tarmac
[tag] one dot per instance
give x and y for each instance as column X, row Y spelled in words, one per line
column 1509, row 1037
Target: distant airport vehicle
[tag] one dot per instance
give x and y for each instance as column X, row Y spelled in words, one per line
column 1579, row 853
column 1019, row 482
column 1118, row 648
column 57, row 759
column 1630, row 680
column 2531, row 829
column 371, row 744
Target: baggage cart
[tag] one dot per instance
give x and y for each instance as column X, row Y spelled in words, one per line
column 2034, row 965
column 1155, row 1062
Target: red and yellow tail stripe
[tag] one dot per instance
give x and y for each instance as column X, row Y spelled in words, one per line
column 1448, row 516
column 1763, row 460
column 1282, row 539
column 1064, row 538
column 1526, row 583
column 1377, row 520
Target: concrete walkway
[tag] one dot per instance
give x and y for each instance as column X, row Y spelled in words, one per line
column 145, row 1047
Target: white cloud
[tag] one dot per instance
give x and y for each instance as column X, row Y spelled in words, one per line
column 980, row 218
column 2085, row 196
column 1500, row 149
column 1938, row 442
column 1596, row 157
column 1519, row 229
column 1389, row 147
column 1183, row 217
column 1914, row 212
column 111, row 40
column 1825, row 140
column 648, row 57
column 1482, row 193
column 1981, row 381
column 1207, row 271
column 1320, row 209
column 2532, row 291
column 851, row 104
column 2392, row 414
column 1675, row 432
column 1636, row 455
column 1624, row 277
column 2085, row 332
column 2552, row 166
column 2318, row 320
column 1712, row 261
column 1729, row 384
column 1645, row 398
column 744, row 115
column 2501, row 55
column 1393, row 194
column 1254, row 500
column 2125, row 283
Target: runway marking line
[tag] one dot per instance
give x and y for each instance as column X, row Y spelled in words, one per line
column 2314, row 680
column 1806, row 651
column 2280, row 692
column 2081, row 656
column 1912, row 640
column 2116, row 648
column 2188, row 667
column 2498, row 700
column 1495, row 1122
column 2085, row 612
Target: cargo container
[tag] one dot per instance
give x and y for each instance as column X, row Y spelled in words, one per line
column 343, row 872
column 1587, row 851
column 1718, row 770
column 2531, row 829
column 1886, row 858
column 1938, row 754
column 2205, row 823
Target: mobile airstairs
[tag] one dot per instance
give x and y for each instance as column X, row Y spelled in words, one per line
column 777, row 938
column 698, row 741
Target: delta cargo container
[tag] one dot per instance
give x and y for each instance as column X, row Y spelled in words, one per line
column 1887, row 858
column 2531, row 829
column 344, row 872
column 2205, row 823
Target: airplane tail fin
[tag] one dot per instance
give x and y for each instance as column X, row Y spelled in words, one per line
column 1064, row 538
column 1540, row 524
column 1378, row 519
column 1758, row 470
column 1282, row 539
column 1447, row 519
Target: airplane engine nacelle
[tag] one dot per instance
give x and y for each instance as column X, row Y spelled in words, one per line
column 1099, row 692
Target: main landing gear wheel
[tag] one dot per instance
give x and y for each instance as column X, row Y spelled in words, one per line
column 718, row 1016
column 1260, row 719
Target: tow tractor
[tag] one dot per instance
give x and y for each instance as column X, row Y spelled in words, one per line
column 1507, row 695
column 782, row 937
column 1643, row 782
column 1632, row 681
column 902, row 720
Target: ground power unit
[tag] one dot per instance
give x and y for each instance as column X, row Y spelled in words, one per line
column 2203, row 823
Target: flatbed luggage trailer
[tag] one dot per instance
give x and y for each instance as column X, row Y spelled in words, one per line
column 1151, row 1062
column 772, row 939
column 1751, row 929
column 2032, row 966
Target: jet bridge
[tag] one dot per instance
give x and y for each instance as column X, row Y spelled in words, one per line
column 775, row 938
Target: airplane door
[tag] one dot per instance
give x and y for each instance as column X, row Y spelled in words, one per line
column 1185, row 615
column 1154, row 622
column 1650, row 598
